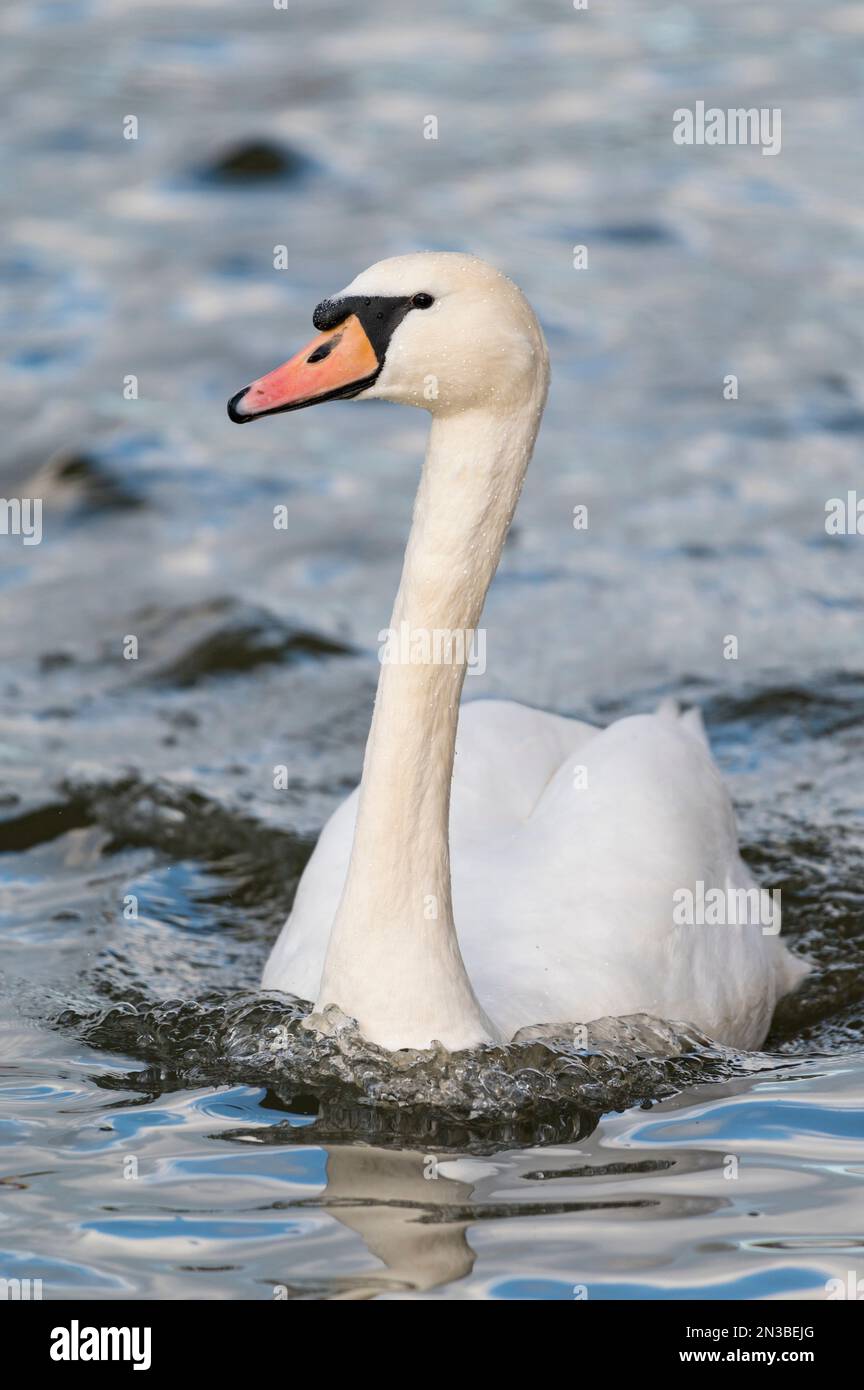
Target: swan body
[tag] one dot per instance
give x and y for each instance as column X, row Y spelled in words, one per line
column 562, row 895
column 499, row 866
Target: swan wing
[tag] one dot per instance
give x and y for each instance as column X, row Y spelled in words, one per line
column 569, row 845
column 579, row 910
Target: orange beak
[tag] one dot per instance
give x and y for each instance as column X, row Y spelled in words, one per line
column 340, row 362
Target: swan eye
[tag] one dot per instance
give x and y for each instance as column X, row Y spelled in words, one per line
column 422, row 301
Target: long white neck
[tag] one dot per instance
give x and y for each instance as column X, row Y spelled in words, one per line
column 393, row 960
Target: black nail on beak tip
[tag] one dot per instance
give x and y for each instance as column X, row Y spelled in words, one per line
column 233, row 413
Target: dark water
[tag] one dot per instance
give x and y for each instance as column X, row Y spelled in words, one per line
column 165, row 1131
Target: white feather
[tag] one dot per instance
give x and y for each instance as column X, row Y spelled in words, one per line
column 567, row 843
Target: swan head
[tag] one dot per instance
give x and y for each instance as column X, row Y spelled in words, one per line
column 439, row 330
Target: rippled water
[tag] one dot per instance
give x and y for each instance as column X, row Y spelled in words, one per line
column 165, row 1130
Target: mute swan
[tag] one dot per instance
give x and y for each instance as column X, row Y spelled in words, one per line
column 563, row 887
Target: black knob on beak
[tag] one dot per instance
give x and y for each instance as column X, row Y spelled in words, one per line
column 330, row 313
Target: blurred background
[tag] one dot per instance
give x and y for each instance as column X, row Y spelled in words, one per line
column 140, row 292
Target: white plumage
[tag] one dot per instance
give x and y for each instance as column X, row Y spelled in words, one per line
column 567, row 844
column 563, row 893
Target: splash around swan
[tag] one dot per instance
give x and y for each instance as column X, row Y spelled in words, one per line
column 548, row 1085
